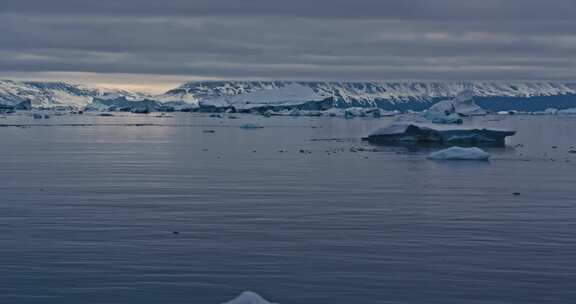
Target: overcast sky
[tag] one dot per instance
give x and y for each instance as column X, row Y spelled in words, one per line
column 156, row 44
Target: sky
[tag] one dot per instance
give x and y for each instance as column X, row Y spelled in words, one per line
column 154, row 45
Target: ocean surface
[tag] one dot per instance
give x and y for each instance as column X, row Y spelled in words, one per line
column 186, row 208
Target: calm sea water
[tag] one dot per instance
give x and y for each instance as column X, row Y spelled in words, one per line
column 90, row 207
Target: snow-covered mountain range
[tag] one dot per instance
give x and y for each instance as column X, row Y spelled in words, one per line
column 390, row 95
column 242, row 95
column 56, row 94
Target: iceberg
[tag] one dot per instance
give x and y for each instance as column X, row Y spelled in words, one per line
column 248, row 297
column 422, row 133
column 459, row 153
column 452, row 111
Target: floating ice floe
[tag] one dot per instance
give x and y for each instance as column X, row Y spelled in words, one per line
column 571, row 111
column 367, row 112
column 251, row 125
column 141, row 106
column 249, row 297
column 140, row 111
column 459, row 153
column 422, row 133
column 452, row 111
column 333, row 112
column 447, row 119
column 554, row 111
column 551, row 111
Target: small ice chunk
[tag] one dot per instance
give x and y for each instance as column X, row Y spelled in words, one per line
column 37, row 116
column 295, row 112
column 249, row 297
column 251, row 125
column 349, row 114
column 141, row 111
column 459, row 153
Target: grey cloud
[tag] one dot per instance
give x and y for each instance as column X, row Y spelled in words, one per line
column 405, row 9
column 336, row 40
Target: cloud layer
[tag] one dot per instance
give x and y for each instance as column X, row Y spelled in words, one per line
column 271, row 39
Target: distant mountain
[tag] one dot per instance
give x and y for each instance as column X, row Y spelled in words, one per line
column 55, row 94
column 387, row 95
column 313, row 95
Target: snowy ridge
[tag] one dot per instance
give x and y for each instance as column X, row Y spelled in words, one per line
column 56, row 94
column 245, row 94
column 301, row 95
